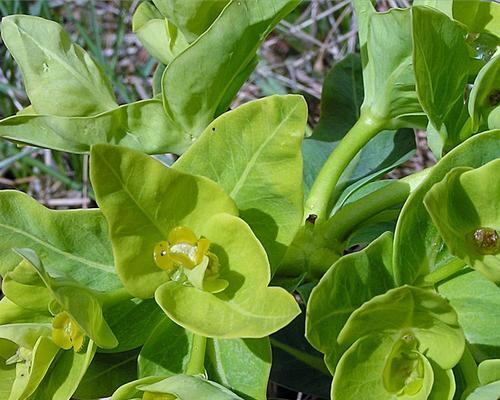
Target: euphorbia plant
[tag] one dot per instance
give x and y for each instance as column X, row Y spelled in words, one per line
column 170, row 289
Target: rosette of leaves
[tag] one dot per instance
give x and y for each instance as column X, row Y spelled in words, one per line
column 380, row 341
column 204, row 244
column 468, row 221
column 64, row 322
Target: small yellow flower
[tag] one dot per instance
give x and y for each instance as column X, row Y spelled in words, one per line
column 182, row 248
column 66, row 333
column 188, row 258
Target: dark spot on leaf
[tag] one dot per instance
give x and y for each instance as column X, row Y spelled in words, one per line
column 213, row 129
column 494, row 97
column 311, row 219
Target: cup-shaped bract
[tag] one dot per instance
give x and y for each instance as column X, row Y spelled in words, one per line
column 408, row 339
column 464, row 208
column 178, row 238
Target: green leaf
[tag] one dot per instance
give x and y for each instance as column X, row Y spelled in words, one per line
column 444, row 386
column 489, row 371
column 11, row 313
column 77, row 301
column 488, row 392
column 7, row 372
column 445, row 6
column 192, row 95
column 74, row 243
column 361, row 370
column 247, row 308
column 129, row 391
column 24, row 287
column 62, row 380
column 462, row 209
column 186, row 387
column 160, row 37
column 59, row 76
column 424, row 314
column 253, row 153
column 483, row 100
column 106, row 373
column 142, row 125
column 479, row 16
column 388, row 76
column 132, row 322
column 241, row 365
column 140, row 216
column 24, row 335
column 417, row 242
column 176, row 344
column 192, row 17
column 439, row 45
column 477, row 304
column 351, row 281
column 44, row 353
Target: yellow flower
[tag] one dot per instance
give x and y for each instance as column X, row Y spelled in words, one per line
column 66, row 333
column 182, row 248
column 188, row 258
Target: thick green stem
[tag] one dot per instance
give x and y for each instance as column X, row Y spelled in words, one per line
column 444, row 272
column 348, row 218
column 196, row 364
column 320, row 199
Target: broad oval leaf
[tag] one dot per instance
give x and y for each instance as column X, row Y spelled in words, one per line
column 489, row 371
column 62, row 380
column 488, row 392
column 140, row 216
column 241, row 365
column 247, row 308
column 428, row 316
column 176, row 344
column 360, row 372
column 468, row 220
column 439, row 44
column 477, row 303
column 192, row 17
column 388, row 75
column 142, row 125
column 60, row 77
column 74, row 243
column 192, row 96
column 417, row 242
column 351, row 281
column 253, row 153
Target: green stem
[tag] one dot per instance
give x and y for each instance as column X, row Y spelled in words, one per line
column 196, row 364
column 348, row 218
column 320, row 199
column 444, row 272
